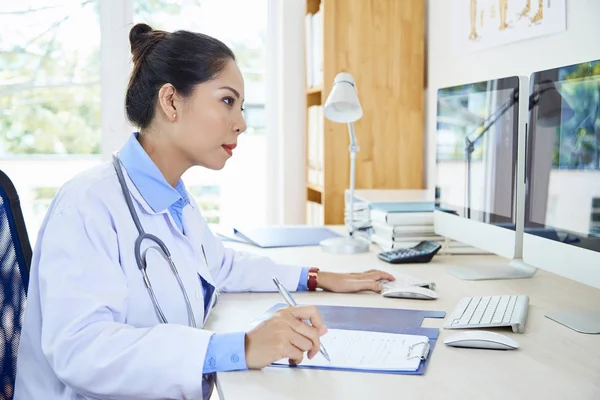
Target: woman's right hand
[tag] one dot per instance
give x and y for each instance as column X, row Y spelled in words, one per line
column 285, row 335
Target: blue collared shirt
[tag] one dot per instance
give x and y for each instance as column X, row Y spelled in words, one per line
column 226, row 351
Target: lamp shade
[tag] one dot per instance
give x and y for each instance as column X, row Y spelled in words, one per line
column 342, row 104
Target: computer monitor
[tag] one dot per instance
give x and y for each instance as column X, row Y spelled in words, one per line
column 480, row 153
column 563, row 179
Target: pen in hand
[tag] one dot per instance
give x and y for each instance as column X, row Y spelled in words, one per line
column 292, row 303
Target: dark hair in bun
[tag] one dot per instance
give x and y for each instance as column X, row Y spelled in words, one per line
column 181, row 58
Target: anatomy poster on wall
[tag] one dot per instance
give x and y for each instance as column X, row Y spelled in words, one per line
column 481, row 24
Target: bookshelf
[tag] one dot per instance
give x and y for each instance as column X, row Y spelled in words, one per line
column 381, row 43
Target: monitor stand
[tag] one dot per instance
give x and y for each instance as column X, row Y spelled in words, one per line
column 516, row 269
column 578, row 321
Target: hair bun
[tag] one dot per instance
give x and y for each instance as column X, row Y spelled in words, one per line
column 138, row 37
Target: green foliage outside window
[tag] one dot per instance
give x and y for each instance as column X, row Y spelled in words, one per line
column 578, row 138
column 50, row 83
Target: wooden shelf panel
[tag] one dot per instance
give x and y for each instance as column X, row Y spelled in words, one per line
column 314, row 193
column 316, row 188
column 314, row 90
column 312, row 6
column 314, row 96
column 388, row 66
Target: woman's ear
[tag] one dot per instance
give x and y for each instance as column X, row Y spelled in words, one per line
column 166, row 100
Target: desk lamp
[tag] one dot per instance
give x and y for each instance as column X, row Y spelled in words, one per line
column 343, row 106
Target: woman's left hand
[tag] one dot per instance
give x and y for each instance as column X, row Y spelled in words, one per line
column 352, row 282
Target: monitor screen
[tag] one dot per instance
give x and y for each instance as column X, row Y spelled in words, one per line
column 563, row 157
column 476, row 150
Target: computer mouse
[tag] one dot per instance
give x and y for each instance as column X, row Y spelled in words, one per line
column 476, row 339
column 410, row 292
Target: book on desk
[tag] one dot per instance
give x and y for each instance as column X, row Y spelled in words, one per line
column 400, row 219
column 280, row 236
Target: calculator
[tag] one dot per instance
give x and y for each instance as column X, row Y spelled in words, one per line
column 421, row 253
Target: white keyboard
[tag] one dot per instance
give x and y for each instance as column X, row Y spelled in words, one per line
column 403, row 280
column 490, row 312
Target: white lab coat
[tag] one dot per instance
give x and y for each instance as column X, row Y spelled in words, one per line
column 89, row 310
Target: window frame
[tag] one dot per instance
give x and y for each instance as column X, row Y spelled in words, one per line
column 116, row 19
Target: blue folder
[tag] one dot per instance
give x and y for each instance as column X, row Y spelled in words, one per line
column 285, row 236
column 388, row 320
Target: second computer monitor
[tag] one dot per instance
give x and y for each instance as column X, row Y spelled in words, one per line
column 563, row 182
column 563, row 172
column 480, row 144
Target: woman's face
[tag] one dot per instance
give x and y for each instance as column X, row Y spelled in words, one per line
column 210, row 120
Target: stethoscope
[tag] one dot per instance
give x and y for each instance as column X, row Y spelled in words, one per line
column 140, row 259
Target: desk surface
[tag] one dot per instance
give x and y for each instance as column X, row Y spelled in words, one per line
column 553, row 362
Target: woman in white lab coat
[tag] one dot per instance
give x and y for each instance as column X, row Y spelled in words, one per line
column 92, row 328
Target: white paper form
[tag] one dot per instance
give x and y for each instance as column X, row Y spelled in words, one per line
column 363, row 350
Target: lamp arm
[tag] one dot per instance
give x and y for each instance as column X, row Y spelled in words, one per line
column 470, row 143
column 353, row 148
column 533, row 100
column 489, row 122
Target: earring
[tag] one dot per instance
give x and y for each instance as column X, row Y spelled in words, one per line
column 174, row 115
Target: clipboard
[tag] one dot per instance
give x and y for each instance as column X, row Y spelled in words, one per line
column 389, row 320
column 420, row 350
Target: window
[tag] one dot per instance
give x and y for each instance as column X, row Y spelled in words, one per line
column 209, row 201
column 255, row 117
column 49, row 97
column 242, row 183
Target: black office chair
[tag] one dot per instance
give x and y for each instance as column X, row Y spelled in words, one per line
column 15, row 259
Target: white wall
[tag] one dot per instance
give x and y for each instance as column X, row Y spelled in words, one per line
column 578, row 43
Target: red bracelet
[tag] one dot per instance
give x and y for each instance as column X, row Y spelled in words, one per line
column 312, row 279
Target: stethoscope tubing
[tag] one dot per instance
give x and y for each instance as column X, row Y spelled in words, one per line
column 141, row 258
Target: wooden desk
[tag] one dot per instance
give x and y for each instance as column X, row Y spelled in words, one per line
column 553, row 362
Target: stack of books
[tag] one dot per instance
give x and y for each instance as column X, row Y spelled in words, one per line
column 313, row 28
column 314, row 34
column 400, row 229
column 315, row 145
column 402, row 219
